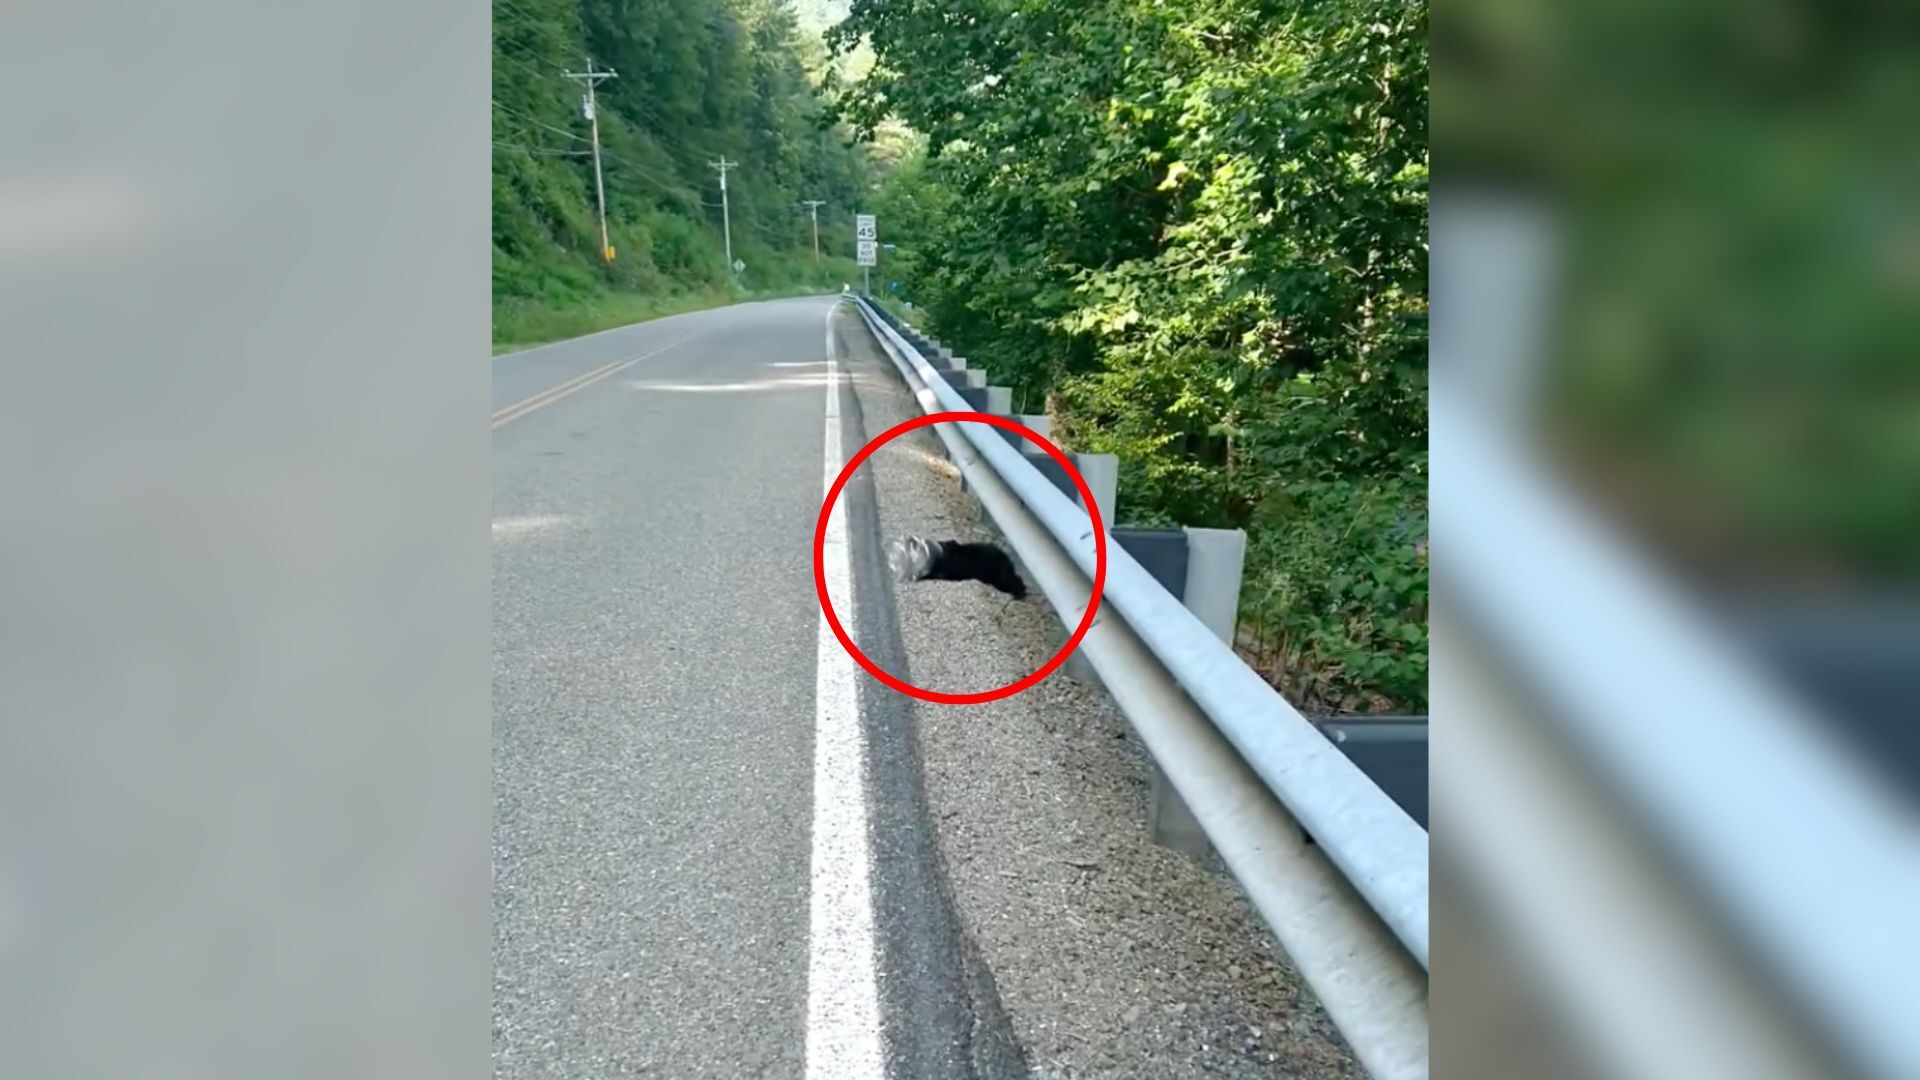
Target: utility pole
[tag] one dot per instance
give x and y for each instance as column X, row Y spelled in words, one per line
column 591, row 105
column 815, row 205
column 726, row 215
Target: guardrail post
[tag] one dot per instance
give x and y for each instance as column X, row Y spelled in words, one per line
column 1102, row 474
column 1215, row 561
column 1216, row 558
column 1391, row 750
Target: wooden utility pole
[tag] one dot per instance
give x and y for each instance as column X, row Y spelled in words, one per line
column 815, row 205
column 726, row 215
column 590, row 105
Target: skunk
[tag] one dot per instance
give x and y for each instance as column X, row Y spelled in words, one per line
column 915, row 559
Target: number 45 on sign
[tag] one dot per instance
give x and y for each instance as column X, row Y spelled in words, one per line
column 866, row 240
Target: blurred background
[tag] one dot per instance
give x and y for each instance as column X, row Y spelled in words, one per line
column 1676, row 445
column 244, row 641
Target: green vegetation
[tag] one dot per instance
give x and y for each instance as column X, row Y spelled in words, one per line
column 533, row 324
column 698, row 80
column 1727, row 359
column 1193, row 231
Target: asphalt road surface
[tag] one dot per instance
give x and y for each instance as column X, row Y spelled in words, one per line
column 721, row 850
column 656, row 658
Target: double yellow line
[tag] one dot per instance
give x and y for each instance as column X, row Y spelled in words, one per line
column 579, row 382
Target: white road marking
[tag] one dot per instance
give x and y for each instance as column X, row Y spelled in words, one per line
column 508, row 528
column 843, row 994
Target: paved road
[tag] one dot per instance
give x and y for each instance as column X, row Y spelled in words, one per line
column 655, row 491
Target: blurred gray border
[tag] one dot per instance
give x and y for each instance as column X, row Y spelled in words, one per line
column 244, row 615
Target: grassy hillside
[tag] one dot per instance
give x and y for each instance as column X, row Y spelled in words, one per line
column 697, row 80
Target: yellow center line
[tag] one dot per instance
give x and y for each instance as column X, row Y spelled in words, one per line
column 579, row 382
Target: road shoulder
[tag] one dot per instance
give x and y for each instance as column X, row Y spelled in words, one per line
column 941, row 1014
column 1111, row 956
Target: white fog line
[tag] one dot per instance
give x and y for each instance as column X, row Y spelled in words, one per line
column 843, row 997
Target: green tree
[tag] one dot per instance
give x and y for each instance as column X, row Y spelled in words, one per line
column 698, row 79
column 1195, row 230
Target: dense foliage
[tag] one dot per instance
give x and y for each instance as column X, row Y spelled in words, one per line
column 1195, row 232
column 698, row 80
column 1731, row 189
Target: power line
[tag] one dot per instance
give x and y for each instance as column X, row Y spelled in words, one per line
column 540, row 150
column 627, row 102
column 668, row 185
column 690, row 153
column 528, row 63
column 688, row 150
column 532, row 22
column 694, row 152
column 501, row 52
column 671, row 182
column 538, row 123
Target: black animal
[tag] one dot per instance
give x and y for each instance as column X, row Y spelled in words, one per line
column 915, row 559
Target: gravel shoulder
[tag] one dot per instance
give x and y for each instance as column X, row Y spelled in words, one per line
column 1111, row 956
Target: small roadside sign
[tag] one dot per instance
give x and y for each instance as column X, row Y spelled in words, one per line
column 864, row 228
column 869, row 253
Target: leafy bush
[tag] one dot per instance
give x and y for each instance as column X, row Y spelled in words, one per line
column 1335, row 600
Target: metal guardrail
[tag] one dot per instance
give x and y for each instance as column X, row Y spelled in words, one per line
column 1350, row 908
column 1675, row 858
column 1784, row 843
